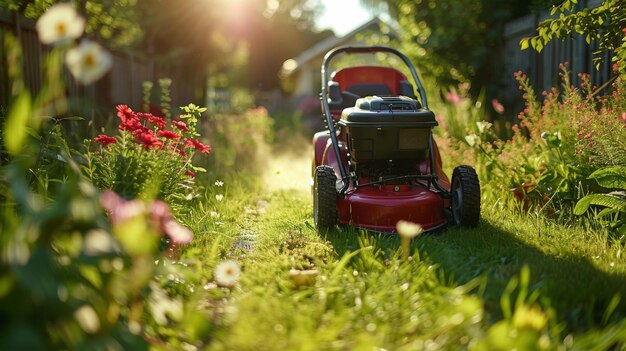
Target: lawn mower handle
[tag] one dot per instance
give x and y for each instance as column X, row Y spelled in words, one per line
column 324, row 96
column 370, row 50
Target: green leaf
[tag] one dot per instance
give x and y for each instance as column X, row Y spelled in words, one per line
column 16, row 128
column 553, row 10
column 524, row 44
column 606, row 200
column 610, row 177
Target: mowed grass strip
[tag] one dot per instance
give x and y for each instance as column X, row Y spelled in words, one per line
column 357, row 299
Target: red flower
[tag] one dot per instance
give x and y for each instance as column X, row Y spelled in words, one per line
column 149, row 140
column 168, row 134
column 180, row 125
column 157, row 121
column 105, row 140
column 205, row 149
column 129, row 120
column 190, row 173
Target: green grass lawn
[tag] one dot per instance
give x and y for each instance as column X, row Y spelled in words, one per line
column 510, row 283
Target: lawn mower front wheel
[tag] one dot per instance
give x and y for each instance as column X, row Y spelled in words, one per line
column 465, row 191
column 325, row 198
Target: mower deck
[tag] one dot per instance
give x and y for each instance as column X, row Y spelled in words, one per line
column 381, row 207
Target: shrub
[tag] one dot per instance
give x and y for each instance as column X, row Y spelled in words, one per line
column 557, row 144
column 243, row 138
column 150, row 157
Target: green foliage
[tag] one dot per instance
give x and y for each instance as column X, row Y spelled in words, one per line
column 116, row 22
column 147, row 160
column 166, row 99
column 615, row 201
column 456, row 41
column 15, row 130
column 244, row 138
column 192, row 115
column 553, row 150
column 603, row 24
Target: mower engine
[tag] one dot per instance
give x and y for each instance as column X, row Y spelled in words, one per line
column 387, row 136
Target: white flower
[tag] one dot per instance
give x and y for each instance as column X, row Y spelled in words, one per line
column 60, row 23
column 219, row 183
column 227, row 274
column 98, row 242
column 219, row 197
column 408, row 229
column 88, row 62
column 87, row 318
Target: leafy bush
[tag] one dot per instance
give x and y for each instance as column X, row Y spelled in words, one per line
column 557, row 144
column 150, row 158
column 614, row 202
column 243, row 138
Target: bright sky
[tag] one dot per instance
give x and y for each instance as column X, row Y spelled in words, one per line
column 342, row 16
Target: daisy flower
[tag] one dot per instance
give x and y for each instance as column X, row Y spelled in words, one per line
column 408, row 229
column 227, row 273
column 59, row 24
column 88, row 62
column 219, row 183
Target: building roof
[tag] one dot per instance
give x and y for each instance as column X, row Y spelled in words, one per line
column 292, row 65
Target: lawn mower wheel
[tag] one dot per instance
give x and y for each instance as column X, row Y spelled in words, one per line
column 325, row 198
column 465, row 191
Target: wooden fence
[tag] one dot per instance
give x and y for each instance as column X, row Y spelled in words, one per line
column 543, row 68
column 122, row 85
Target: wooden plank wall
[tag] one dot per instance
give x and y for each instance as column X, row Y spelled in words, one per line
column 122, row 85
column 543, row 68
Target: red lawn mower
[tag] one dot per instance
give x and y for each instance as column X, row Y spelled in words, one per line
column 377, row 162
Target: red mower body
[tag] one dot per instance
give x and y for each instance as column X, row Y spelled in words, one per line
column 377, row 163
column 380, row 207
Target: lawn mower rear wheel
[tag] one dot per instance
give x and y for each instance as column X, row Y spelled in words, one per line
column 465, row 191
column 325, row 198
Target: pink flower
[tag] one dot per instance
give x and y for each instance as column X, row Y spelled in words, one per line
column 161, row 219
column 177, row 233
column 203, row 148
column 165, row 223
column 180, row 125
column 497, row 106
column 168, row 134
column 453, row 98
column 105, row 140
column 119, row 209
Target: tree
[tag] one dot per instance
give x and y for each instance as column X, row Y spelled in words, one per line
column 457, row 40
column 197, row 36
column 605, row 24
